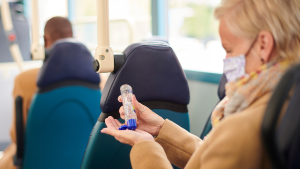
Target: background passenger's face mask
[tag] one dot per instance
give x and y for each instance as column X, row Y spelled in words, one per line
column 234, row 67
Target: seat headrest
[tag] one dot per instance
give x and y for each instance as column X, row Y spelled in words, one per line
column 68, row 61
column 157, row 38
column 154, row 73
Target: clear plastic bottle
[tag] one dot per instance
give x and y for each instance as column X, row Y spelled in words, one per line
column 129, row 111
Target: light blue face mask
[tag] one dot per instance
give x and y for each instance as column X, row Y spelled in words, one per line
column 234, row 67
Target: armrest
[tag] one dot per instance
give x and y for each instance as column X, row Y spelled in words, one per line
column 18, row 157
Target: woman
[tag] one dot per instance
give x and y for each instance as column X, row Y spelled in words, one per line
column 262, row 40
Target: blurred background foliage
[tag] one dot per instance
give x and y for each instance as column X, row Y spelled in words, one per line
column 201, row 25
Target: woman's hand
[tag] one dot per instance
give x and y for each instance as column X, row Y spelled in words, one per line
column 147, row 120
column 125, row 136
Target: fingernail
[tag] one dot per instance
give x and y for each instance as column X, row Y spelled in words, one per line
column 103, row 131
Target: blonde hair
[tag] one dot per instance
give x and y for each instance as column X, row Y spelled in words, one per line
column 281, row 18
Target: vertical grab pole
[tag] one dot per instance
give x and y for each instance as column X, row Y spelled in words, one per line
column 37, row 49
column 104, row 58
column 10, row 34
column 102, row 23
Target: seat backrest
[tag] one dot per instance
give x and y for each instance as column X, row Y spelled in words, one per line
column 64, row 110
column 21, row 28
column 282, row 138
column 157, row 80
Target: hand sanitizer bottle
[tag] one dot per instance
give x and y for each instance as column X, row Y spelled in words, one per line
column 129, row 111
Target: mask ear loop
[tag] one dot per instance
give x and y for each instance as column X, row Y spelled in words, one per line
column 253, row 43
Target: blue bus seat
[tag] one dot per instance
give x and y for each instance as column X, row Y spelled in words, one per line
column 158, row 81
column 281, row 135
column 64, row 109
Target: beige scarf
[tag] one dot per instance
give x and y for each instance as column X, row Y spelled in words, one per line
column 244, row 91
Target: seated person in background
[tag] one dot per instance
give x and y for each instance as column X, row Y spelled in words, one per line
column 57, row 28
column 262, row 40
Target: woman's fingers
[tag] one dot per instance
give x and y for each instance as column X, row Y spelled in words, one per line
column 128, row 136
column 121, row 111
column 110, row 132
column 120, row 98
column 110, row 123
column 138, row 106
column 117, row 121
column 120, row 135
